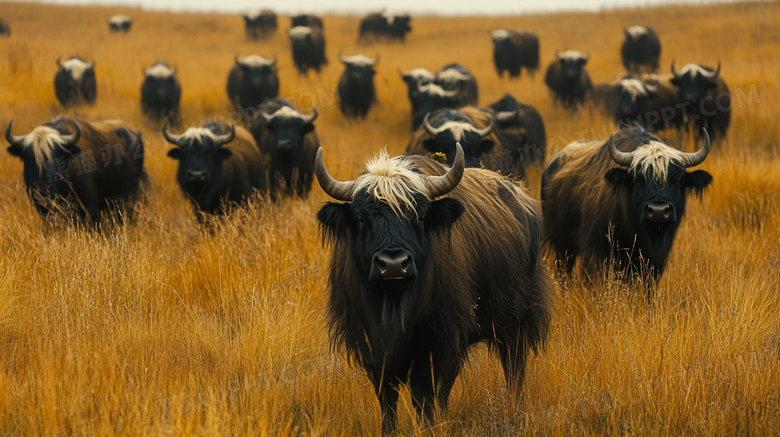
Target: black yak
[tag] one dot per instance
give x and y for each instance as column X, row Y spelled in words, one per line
column 384, row 26
column 704, row 98
column 414, row 281
column 120, row 23
column 308, row 48
column 75, row 82
column 252, row 81
column 567, row 79
column 514, row 50
column 641, row 50
column 356, row 85
column 260, row 24
column 160, row 91
column 522, row 129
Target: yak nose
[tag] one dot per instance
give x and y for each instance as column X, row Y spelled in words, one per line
column 196, row 176
column 284, row 145
column 659, row 212
column 398, row 264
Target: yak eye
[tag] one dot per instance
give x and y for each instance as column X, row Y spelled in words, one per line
column 676, row 180
column 420, row 219
column 361, row 220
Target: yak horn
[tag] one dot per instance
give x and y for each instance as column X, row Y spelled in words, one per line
column 59, row 63
column 506, row 116
column 333, row 188
column 311, row 117
column 171, row 138
column 488, row 129
column 694, row 159
column 69, row 140
column 674, row 72
column 622, row 158
column 431, row 130
column 441, row 185
column 11, row 138
column 715, row 74
column 226, row 138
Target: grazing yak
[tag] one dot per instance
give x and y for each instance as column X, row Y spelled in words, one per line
column 218, row 166
column 306, row 20
column 514, row 50
column 288, row 139
column 356, row 86
column 641, row 50
column 5, row 29
column 414, row 281
column 567, row 79
column 120, row 23
column 252, row 81
column 471, row 127
column 75, row 82
column 620, row 200
column 523, row 130
column 260, row 24
column 646, row 102
column 160, row 91
column 78, row 166
column 308, row 48
column 703, row 97
column 384, row 26
column 454, row 77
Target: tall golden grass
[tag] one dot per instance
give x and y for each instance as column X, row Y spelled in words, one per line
column 162, row 327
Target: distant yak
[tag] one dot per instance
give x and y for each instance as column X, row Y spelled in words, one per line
column 120, row 23
column 385, row 26
column 252, row 81
column 260, row 24
column 514, row 50
column 74, row 82
column 641, row 50
column 308, row 48
column 160, row 91
column 567, row 79
column 356, row 86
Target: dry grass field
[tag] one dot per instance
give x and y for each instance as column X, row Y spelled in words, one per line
column 161, row 327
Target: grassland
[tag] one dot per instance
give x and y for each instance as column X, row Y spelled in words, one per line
column 163, row 328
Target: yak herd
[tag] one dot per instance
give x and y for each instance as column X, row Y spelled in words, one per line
column 439, row 248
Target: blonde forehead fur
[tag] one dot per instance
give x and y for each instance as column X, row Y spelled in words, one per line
column 393, row 181
column 571, row 55
column 636, row 31
column 390, row 17
column 451, row 75
column 119, row 19
column 299, row 32
column 500, row 34
column 457, row 128
column 360, row 60
column 657, row 156
column 634, row 87
column 434, row 89
column 253, row 14
column 43, row 141
column 695, row 70
column 198, row 133
column 159, row 70
column 420, row 73
column 286, row 113
column 76, row 67
column 255, row 61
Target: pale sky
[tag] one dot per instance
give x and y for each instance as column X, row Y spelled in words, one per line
column 448, row 7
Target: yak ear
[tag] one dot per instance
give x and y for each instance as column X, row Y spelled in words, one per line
column 675, row 81
column 486, row 146
column 223, row 153
column 430, row 145
column 308, row 127
column 444, row 212
column 174, row 153
column 17, row 151
column 335, row 219
column 618, row 178
column 696, row 182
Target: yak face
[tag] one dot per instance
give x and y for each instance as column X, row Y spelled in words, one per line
column 656, row 185
column 389, row 224
column 572, row 63
column 300, row 36
column 256, row 70
column 160, row 80
column 75, row 70
column 452, row 128
column 416, row 78
column 636, row 33
column 288, row 127
column 45, row 153
column 634, row 95
column 200, row 155
column 694, row 82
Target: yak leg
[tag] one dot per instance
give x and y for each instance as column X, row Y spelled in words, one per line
column 513, row 352
column 388, row 399
column 431, row 384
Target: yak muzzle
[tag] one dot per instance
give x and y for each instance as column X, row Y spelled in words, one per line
column 396, row 264
column 659, row 212
column 196, row 176
column 284, row 146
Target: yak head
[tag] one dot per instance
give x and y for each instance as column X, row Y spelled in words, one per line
column 414, row 79
column 160, row 80
column 359, row 68
column 694, row 82
column 385, row 229
column 200, row 153
column 431, row 97
column 656, row 182
column 288, row 127
column 501, row 36
column 300, row 36
column 75, row 69
column 634, row 95
column 454, row 128
column 508, row 112
column 572, row 63
column 45, row 153
column 256, row 69
column 636, row 33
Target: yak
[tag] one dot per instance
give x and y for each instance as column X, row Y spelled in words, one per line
column 160, row 91
column 703, row 97
column 522, row 129
column 384, row 26
column 356, row 85
column 120, row 24
column 252, row 81
column 567, row 79
column 620, row 200
column 5, row 29
column 218, row 166
column 308, row 48
column 429, row 98
column 287, row 138
column 648, row 102
column 75, row 82
column 260, row 24
column 415, row 281
column 454, row 77
column 80, row 167
column 640, row 50
column 514, row 50
column 414, row 79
